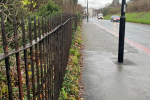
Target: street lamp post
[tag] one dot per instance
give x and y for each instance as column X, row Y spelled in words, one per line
column 87, row 11
column 122, row 32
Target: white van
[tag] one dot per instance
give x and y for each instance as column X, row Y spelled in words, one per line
column 100, row 16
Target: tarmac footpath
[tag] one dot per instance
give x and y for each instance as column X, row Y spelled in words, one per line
column 106, row 79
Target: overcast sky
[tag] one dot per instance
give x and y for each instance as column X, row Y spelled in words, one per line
column 95, row 3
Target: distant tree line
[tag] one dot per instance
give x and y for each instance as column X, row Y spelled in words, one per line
column 131, row 6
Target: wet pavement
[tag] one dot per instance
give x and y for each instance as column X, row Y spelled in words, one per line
column 106, row 79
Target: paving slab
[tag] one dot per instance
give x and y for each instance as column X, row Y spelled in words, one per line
column 106, row 79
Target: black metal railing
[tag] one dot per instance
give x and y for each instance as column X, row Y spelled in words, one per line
column 40, row 65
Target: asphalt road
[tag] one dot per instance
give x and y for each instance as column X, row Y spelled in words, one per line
column 136, row 34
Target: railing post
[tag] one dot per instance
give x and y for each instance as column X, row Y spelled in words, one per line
column 5, row 48
column 44, row 57
column 32, row 63
column 25, row 58
column 37, row 58
column 48, row 60
column 17, row 58
column 42, row 60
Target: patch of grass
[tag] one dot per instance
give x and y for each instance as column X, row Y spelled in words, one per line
column 143, row 17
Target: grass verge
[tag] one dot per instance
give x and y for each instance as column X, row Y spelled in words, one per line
column 143, row 17
column 70, row 89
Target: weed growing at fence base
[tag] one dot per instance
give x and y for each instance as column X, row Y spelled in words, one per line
column 70, row 88
column 143, row 17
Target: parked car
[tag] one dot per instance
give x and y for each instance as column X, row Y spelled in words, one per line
column 100, row 16
column 115, row 18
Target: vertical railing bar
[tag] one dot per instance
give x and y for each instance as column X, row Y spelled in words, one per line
column 57, row 20
column 66, row 40
column 70, row 31
column 58, row 55
column 25, row 59
column 45, row 68
column 42, row 60
column 45, row 25
column 61, row 18
column 7, row 64
column 37, row 58
column 54, row 65
column 59, row 60
column 51, row 62
column 50, row 67
column 68, row 36
column 60, row 52
column 48, row 24
column 48, row 59
column 47, row 73
column 17, row 58
column 42, row 26
column 57, row 63
column 30, row 31
column 23, row 32
column 52, row 22
column 32, row 63
column 63, row 38
column 65, row 44
column 59, row 39
column 39, row 27
column 40, row 56
column 35, row 32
